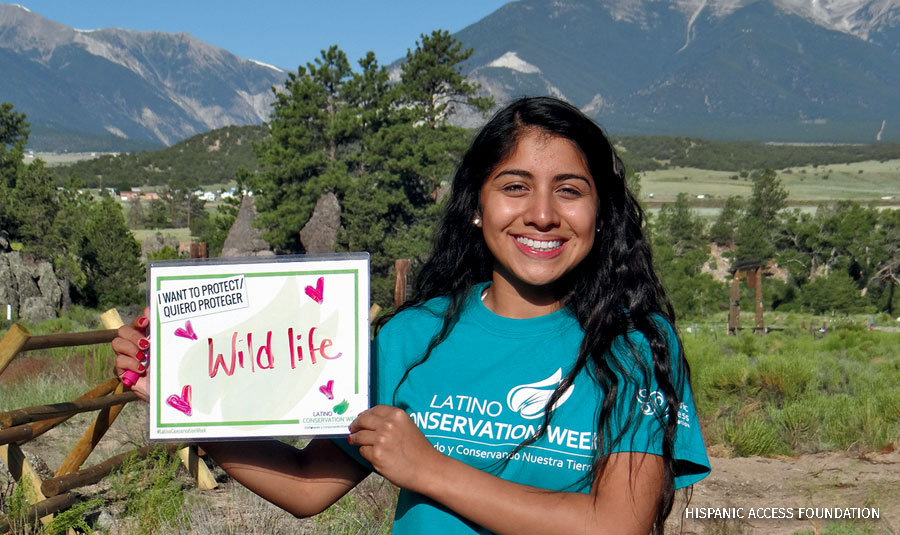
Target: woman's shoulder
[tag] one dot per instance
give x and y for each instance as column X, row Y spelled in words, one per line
column 421, row 320
column 636, row 341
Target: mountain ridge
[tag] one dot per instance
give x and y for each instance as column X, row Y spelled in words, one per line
column 153, row 86
column 761, row 70
column 734, row 69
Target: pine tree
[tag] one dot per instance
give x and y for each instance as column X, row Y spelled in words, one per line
column 111, row 257
column 385, row 150
column 136, row 215
column 432, row 82
column 310, row 127
column 723, row 230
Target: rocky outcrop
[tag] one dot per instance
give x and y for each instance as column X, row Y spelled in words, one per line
column 320, row 232
column 30, row 287
column 244, row 239
column 156, row 243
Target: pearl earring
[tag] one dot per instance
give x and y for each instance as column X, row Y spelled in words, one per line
column 476, row 221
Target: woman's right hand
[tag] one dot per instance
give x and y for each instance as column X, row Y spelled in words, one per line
column 132, row 347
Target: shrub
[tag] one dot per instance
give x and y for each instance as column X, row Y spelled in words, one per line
column 153, row 497
column 753, row 435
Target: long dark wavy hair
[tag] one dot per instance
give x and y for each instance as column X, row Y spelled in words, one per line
column 612, row 292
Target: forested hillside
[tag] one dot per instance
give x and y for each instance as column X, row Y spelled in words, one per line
column 645, row 153
column 209, row 158
column 213, row 158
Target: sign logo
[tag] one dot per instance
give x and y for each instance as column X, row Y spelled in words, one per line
column 530, row 400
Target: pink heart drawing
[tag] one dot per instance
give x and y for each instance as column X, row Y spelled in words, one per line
column 316, row 294
column 187, row 332
column 183, row 402
column 326, row 388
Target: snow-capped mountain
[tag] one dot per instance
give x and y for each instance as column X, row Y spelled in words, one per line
column 773, row 70
column 789, row 70
column 150, row 87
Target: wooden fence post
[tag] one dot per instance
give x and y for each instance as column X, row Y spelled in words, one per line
column 205, row 480
column 757, row 283
column 401, row 270
column 734, row 306
column 11, row 454
column 22, row 472
column 101, row 423
column 11, row 344
column 197, row 467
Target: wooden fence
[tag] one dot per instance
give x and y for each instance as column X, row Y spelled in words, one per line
column 17, row 427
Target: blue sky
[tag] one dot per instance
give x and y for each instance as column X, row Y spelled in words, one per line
column 283, row 33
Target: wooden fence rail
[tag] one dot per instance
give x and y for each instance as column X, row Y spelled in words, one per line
column 21, row 425
column 88, row 476
column 43, row 509
column 63, row 410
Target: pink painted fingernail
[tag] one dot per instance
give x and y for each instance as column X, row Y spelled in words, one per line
column 143, row 343
column 141, row 368
column 143, row 322
column 129, row 378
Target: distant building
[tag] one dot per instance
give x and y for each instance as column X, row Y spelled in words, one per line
column 129, row 196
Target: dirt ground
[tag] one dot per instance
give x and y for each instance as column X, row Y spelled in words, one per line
column 798, row 491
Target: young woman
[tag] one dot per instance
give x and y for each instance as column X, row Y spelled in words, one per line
column 534, row 384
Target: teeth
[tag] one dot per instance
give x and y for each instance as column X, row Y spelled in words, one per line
column 539, row 245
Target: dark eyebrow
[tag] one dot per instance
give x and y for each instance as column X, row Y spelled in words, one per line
column 567, row 176
column 514, row 172
column 558, row 178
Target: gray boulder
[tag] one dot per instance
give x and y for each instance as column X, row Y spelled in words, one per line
column 320, row 232
column 30, row 287
column 155, row 244
column 243, row 238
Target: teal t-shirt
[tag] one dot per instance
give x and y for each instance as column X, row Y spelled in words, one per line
column 485, row 389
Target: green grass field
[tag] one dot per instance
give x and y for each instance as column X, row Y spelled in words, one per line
column 862, row 182
column 181, row 234
column 63, row 158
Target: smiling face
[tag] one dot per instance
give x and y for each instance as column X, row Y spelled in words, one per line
column 538, row 212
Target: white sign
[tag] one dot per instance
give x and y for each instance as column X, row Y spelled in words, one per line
column 258, row 348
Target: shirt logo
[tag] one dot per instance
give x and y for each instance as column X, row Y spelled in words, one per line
column 650, row 402
column 530, row 400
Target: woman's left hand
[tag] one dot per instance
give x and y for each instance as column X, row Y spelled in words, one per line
column 389, row 439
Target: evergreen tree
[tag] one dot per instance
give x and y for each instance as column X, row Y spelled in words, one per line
column 768, row 196
column 760, row 226
column 311, row 125
column 885, row 277
column 835, row 292
column 680, row 249
column 386, row 150
column 432, row 82
column 14, row 131
column 31, row 205
column 111, row 257
column 158, row 215
column 136, row 215
column 722, row 232
column 392, row 211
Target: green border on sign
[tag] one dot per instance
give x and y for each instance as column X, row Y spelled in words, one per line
column 159, row 280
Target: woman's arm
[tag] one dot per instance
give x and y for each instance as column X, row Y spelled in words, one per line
column 624, row 500
column 303, row 482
